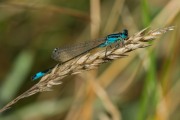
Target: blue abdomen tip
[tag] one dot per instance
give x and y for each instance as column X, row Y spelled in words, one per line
column 38, row 75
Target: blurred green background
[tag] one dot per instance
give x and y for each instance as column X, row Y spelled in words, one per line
column 143, row 86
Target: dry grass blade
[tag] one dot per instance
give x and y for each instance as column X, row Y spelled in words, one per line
column 90, row 61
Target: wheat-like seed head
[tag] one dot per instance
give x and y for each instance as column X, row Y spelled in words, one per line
column 90, row 61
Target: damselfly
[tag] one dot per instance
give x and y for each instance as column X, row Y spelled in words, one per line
column 65, row 54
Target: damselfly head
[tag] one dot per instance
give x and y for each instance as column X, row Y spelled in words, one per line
column 125, row 32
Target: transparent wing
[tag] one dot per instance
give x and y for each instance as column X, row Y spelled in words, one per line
column 64, row 54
